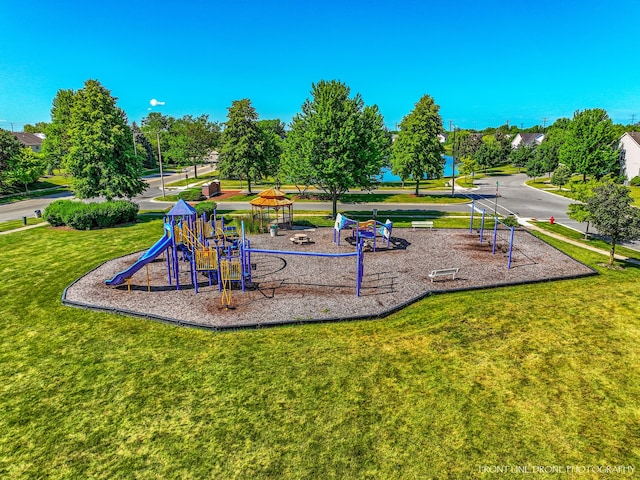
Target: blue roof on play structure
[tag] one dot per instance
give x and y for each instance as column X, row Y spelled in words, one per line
column 181, row 209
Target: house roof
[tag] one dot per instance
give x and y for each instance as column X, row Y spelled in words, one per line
column 635, row 136
column 28, row 139
column 529, row 138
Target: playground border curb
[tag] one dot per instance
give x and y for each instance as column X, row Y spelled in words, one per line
column 258, row 325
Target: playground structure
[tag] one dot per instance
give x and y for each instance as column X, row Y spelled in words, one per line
column 211, row 248
column 502, row 233
column 363, row 232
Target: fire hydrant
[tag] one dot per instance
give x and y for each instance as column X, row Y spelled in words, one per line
column 552, row 220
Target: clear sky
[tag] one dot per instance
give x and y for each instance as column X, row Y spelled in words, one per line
column 483, row 62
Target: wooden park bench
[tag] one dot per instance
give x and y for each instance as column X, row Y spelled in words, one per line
column 422, row 224
column 444, row 272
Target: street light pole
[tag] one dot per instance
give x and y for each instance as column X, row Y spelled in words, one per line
column 160, row 159
column 453, row 161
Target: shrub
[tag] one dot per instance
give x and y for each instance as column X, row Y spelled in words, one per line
column 635, row 181
column 191, row 195
column 251, row 225
column 206, row 207
column 85, row 216
column 510, row 221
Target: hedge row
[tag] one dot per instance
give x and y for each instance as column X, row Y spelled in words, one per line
column 191, row 195
column 85, row 216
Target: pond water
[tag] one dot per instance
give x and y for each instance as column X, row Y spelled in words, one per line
column 387, row 176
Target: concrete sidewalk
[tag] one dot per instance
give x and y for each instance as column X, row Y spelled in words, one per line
column 28, row 227
column 525, row 222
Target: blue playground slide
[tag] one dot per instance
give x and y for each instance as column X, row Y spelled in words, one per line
column 150, row 255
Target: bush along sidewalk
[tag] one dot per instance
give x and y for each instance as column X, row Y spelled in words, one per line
column 87, row 216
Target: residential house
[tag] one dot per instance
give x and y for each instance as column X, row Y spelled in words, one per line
column 529, row 139
column 31, row 140
column 629, row 148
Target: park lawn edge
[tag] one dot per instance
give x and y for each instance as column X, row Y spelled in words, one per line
column 449, row 384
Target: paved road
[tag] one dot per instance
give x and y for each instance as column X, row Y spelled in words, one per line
column 522, row 201
column 514, row 197
column 27, row 208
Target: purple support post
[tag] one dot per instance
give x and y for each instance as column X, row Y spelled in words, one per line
column 510, row 247
column 359, row 267
column 482, row 227
column 473, row 209
column 495, row 235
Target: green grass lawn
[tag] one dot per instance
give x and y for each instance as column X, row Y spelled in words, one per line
column 592, row 241
column 13, row 224
column 510, row 376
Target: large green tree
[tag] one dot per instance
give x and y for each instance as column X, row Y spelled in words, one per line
column 9, row 149
column 521, row 156
column 56, row 145
column 25, row 168
column 548, row 152
column 341, row 142
column 155, row 127
column 273, row 137
column 101, row 156
column 613, row 215
column 39, row 127
column 417, row 152
column 191, row 139
column 468, row 143
column 502, row 146
column 242, row 152
column 589, row 146
column 143, row 147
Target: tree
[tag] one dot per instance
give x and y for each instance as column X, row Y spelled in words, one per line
column 342, row 142
column 467, row 166
column 9, row 149
column 611, row 212
column 521, row 156
column 39, row 127
column 274, row 134
column 548, row 152
column 242, row 151
column 502, row 146
column 469, row 144
column 155, row 127
column 191, row 139
column 578, row 211
column 26, row 167
column 487, row 155
column 417, row 151
column 142, row 142
column 295, row 167
column 589, row 146
column 101, row 157
column 561, row 176
column 56, row 145
column 535, row 167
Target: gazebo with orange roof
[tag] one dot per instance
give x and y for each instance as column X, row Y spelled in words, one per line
column 272, row 199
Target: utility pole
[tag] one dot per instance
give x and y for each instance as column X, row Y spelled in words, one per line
column 544, row 122
column 633, row 119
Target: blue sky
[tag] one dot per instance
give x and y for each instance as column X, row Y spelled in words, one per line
column 483, row 62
